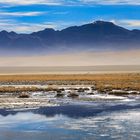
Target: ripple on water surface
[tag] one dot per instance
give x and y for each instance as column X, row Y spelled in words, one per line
column 72, row 122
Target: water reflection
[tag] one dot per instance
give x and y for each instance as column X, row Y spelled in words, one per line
column 78, row 110
column 72, row 122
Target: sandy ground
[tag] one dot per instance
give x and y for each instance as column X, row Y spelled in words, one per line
column 71, row 69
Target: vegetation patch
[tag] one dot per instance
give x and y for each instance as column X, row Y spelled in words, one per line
column 24, row 95
column 60, row 95
column 73, row 95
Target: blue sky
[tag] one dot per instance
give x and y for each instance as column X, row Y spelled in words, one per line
column 32, row 15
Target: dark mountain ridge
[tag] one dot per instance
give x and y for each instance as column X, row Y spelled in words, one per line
column 98, row 35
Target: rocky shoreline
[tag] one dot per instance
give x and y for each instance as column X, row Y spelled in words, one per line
column 17, row 97
column 33, row 91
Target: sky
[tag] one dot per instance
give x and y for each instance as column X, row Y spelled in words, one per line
column 26, row 16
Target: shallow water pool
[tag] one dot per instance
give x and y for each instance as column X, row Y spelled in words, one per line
column 98, row 121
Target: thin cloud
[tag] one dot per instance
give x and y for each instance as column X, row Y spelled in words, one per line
column 21, row 13
column 130, row 23
column 12, row 25
column 31, row 2
column 111, row 2
column 70, row 2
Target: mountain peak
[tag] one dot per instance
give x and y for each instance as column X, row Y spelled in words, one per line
column 4, row 32
column 101, row 22
column 49, row 29
column 12, row 32
column 44, row 32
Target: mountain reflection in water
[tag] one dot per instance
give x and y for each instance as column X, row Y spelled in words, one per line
column 101, row 120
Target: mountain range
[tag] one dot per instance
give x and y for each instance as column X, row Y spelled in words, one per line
column 99, row 35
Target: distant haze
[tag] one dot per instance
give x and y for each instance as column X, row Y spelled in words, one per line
column 127, row 57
